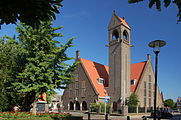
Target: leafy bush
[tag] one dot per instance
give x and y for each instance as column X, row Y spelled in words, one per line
column 107, row 107
column 94, row 107
column 38, row 116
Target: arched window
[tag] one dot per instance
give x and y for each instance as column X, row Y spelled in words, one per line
column 77, row 105
column 84, row 105
column 115, row 35
column 125, row 35
column 115, row 106
column 71, row 105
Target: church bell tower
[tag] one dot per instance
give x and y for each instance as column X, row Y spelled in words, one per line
column 119, row 60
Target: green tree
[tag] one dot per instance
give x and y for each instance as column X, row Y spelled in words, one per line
column 30, row 12
column 158, row 4
column 45, row 62
column 133, row 100
column 9, row 52
column 169, row 103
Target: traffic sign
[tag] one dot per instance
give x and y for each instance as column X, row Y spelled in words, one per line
column 106, row 100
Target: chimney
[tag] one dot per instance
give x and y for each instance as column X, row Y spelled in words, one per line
column 77, row 54
column 148, row 57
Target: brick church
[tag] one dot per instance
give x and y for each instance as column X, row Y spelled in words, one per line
column 92, row 81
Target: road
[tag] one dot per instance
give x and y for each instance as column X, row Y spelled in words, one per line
column 177, row 117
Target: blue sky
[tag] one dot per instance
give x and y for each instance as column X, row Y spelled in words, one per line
column 87, row 21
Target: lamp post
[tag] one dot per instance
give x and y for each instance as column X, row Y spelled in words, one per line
column 156, row 46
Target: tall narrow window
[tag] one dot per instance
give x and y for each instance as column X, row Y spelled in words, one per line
column 83, row 92
column 149, row 78
column 83, row 84
column 145, row 93
column 83, row 89
column 149, row 93
column 144, row 84
column 76, row 84
column 145, row 102
column 149, row 102
column 145, row 88
column 76, row 92
column 149, row 88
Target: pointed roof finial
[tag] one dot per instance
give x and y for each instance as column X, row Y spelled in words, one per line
column 77, row 54
column 114, row 11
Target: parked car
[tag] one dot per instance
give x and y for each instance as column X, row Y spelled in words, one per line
column 162, row 114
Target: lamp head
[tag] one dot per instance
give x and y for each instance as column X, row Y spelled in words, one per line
column 156, row 45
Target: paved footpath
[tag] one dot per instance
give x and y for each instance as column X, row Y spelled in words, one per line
column 102, row 117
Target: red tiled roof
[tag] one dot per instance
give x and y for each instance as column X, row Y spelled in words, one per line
column 42, row 97
column 124, row 22
column 96, row 70
column 136, row 72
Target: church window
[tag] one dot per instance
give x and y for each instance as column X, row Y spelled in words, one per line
column 145, row 84
column 145, row 102
column 144, row 88
column 133, row 82
column 149, row 102
column 76, row 84
column 149, row 77
column 149, row 85
column 76, row 92
column 83, row 92
column 144, row 92
column 115, row 35
column 149, row 93
column 125, row 35
column 100, row 80
column 83, row 84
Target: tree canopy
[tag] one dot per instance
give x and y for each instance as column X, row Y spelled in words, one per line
column 30, row 12
column 9, row 68
column 169, row 103
column 133, row 100
column 36, row 63
column 159, row 3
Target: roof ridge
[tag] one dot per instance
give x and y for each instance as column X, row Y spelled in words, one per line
column 108, row 66
column 123, row 21
column 140, row 62
column 94, row 62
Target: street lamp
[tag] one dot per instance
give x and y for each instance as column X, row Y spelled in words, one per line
column 156, row 46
